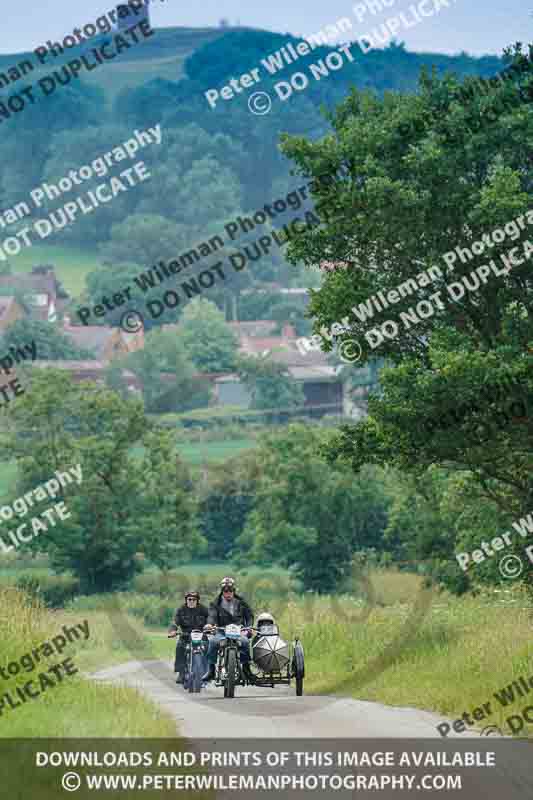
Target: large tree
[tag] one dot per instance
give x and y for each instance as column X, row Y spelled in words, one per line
column 429, row 173
column 127, row 504
column 308, row 516
column 209, row 341
column 166, row 372
column 270, row 384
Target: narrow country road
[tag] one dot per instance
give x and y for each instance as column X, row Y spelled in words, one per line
column 276, row 715
column 263, row 713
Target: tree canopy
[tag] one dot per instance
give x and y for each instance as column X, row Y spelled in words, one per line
column 209, row 341
column 126, row 504
column 51, row 343
column 429, row 173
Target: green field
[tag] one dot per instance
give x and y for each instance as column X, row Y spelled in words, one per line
column 160, row 58
column 77, row 707
column 194, row 453
column 449, row 656
column 213, row 452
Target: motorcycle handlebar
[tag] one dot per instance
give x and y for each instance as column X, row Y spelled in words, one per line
column 208, row 628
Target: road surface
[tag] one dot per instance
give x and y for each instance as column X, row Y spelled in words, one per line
column 275, row 720
column 272, row 713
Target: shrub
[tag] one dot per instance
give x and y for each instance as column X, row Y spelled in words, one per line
column 52, row 590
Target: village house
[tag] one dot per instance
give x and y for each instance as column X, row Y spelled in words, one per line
column 90, row 371
column 104, row 341
column 320, row 382
column 41, row 291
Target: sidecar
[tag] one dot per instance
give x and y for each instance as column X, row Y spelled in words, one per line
column 275, row 662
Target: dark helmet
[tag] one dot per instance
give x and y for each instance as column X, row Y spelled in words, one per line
column 193, row 594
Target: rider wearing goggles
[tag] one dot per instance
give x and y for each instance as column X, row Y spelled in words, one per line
column 189, row 617
column 227, row 609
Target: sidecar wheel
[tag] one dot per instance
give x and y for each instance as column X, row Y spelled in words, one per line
column 299, row 668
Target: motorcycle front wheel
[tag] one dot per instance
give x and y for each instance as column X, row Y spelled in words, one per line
column 197, row 670
column 231, row 672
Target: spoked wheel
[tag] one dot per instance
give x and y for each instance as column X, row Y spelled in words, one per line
column 188, row 681
column 231, row 671
column 196, row 673
column 299, row 668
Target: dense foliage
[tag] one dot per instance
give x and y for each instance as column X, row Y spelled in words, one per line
column 454, row 166
column 51, row 343
column 125, row 505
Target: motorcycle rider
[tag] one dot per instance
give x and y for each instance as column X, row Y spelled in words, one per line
column 228, row 608
column 189, row 617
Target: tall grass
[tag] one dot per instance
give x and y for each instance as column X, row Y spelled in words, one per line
column 451, row 661
column 76, row 706
column 445, row 654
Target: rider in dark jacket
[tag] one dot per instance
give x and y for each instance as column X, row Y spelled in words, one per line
column 228, row 608
column 189, row 617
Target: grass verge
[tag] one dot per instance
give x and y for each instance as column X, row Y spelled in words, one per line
column 73, row 706
column 463, row 652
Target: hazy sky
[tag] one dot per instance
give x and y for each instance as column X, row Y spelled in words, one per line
column 476, row 26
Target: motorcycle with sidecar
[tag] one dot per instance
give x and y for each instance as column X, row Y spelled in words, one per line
column 274, row 662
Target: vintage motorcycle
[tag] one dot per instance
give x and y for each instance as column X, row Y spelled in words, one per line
column 228, row 671
column 275, row 661
column 195, row 661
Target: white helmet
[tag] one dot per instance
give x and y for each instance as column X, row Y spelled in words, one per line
column 265, row 618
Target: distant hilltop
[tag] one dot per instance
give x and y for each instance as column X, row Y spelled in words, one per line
column 142, row 8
